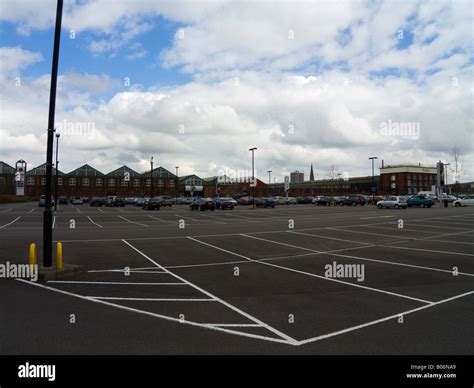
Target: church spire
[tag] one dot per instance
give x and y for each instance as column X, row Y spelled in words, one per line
column 311, row 173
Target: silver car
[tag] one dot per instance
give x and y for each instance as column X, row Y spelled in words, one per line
column 42, row 201
column 393, row 201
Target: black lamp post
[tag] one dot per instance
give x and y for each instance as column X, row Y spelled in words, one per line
column 373, row 179
column 48, row 215
column 56, row 188
column 269, row 180
column 151, row 178
column 176, row 185
column 253, row 176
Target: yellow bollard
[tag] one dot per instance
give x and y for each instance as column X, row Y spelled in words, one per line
column 59, row 256
column 32, row 254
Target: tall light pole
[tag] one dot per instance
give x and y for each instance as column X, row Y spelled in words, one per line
column 48, row 215
column 151, row 177
column 269, row 180
column 446, row 178
column 373, row 179
column 56, row 188
column 253, row 176
column 176, row 185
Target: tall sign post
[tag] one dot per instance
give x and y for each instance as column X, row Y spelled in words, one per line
column 48, row 214
column 20, row 178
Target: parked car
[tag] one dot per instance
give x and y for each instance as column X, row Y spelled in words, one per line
column 447, row 197
column 85, row 199
column 62, row 200
column 353, row 200
column 42, row 201
column 264, row 202
column 419, row 200
column 338, row 199
column 467, row 201
column 129, row 200
column 165, row 200
column 152, row 204
column 118, row 202
column 225, row 203
column 278, row 200
column 77, row 201
column 290, row 201
column 203, row 204
column 245, row 200
column 139, row 201
column 95, row 201
column 392, row 201
column 323, row 201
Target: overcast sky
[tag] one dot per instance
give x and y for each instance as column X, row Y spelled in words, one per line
column 196, row 84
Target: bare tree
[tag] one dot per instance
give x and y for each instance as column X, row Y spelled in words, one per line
column 456, row 165
column 332, row 175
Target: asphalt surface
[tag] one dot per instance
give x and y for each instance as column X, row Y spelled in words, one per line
column 243, row 281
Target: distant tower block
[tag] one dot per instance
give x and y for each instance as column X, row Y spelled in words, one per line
column 311, row 173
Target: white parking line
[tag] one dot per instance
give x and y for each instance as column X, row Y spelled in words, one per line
column 99, row 209
column 95, row 223
column 368, row 259
column 122, row 270
column 428, row 250
column 154, row 299
column 6, row 210
column 330, row 238
column 31, row 211
column 368, row 218
column 234, row 324
column 160, row 316
column 116, row 283
column 78, row 210
column 186, row 218
column 307, row 273
column 4, row 226
column 132, row 222
column 159, row 219
column 371, row 323
column 282, row 335
column 434, row 226
column 54, row 221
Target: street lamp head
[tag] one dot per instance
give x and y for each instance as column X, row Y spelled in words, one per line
column 252, row 149
column 373, row 157
column 58, row 134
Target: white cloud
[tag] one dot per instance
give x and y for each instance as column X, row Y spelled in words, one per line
column 14, row 59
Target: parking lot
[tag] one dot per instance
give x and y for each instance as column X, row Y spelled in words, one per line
column 296, row 279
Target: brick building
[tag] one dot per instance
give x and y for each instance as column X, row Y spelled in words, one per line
column 126, row 182
column 7, row 179
column 407, row 179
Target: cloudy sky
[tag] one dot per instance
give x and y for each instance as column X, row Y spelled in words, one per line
column 196, row 84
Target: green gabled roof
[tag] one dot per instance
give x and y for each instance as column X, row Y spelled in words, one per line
column 6, row 168
column 183, row 179
column 159, row 172
column 41, row 170
column 120, row 172
column 86, row 170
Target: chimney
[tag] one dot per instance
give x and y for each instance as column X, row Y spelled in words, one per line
column 382, row 163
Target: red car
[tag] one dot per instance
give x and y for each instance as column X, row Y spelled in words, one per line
column 203, row 204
